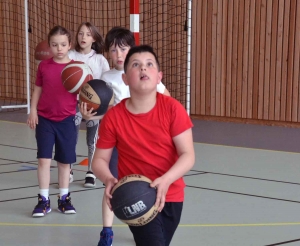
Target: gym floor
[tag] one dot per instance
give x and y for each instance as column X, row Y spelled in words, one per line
column 243, row 190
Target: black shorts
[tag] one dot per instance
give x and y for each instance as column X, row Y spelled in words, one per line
column 159, row 232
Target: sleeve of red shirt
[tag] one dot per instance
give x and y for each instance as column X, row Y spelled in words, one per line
column 106, row 133
column 180, row 121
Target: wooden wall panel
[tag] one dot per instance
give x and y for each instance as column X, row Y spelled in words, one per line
column 223, row 21
column 250, row 77
column 291, row 44
column 249, row 51
column 296, row 67
column 203, row 60
column 258, row 96
column 285, row 49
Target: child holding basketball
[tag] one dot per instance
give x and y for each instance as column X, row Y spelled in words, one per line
column 52, row 115
column 155, row 140
column 118, row 41
column 89, row 46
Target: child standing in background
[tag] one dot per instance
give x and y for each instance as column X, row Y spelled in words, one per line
column 89, row 46
column 54, row 126
column 118, row 42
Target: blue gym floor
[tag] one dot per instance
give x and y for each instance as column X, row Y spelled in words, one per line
column 243, row 190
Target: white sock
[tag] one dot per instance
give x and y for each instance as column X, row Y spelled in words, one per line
column 44, row 193
column 63, row 191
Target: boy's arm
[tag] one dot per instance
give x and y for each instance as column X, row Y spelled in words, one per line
column 185, row 149
column 32, row 120
column 100, row 164
column 100, row 167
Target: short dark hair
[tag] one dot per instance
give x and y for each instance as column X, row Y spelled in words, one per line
column 119, row 36
column 98, row 45
column 59, row 30
column 140, row 49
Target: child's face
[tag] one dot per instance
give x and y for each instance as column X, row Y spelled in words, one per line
column 118, row 55
column 60, row 45
column 142, row 73
column 85, row 38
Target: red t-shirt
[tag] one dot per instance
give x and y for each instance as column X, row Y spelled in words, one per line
column 55, row 102
column 144, row 141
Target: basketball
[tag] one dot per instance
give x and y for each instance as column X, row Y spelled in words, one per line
column 98, row 95
column 133, row 200
column 42, row 51
column 76, row 74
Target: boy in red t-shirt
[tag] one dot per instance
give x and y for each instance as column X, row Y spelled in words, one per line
column 153, row 136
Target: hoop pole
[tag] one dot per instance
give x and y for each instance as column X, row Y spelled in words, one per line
column 27, row 57
column 135, row 19
column 27, row 65
column 189, row 39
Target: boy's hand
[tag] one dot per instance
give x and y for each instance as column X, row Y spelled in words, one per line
column 86, row 114
column 162, row 187
column 109, row 184
column 33, row 119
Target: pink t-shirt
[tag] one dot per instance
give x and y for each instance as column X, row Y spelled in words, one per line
column 55, row 102
column 145, row 141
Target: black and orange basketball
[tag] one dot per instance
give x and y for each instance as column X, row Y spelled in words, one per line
column 133, row 200
column 98, row 95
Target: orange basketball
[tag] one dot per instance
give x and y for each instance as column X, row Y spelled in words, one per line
column 75, row 75
column 42, row 51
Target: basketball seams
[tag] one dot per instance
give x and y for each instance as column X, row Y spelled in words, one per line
column 144, row 219
column 80, row 82
column 80, row 71
column 96, row 93
column 66, row 79
column 130, row 178
column 87, row 88
column 137, row 208
column 42, row 51
column 133, row 198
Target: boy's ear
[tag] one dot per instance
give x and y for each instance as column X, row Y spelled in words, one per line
column 124, row 78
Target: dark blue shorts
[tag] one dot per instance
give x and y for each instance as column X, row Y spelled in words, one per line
column 159, row 231
column 62, row 134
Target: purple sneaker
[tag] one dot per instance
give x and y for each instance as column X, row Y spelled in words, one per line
column 64, row 204
column 106, row 237
column 42, row 208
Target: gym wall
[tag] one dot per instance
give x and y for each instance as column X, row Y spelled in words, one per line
column 245, row 61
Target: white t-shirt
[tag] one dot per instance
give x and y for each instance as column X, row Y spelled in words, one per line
column 96, row 62
column 114, row 79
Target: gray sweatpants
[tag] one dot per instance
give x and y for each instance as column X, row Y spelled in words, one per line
column 91, row 136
